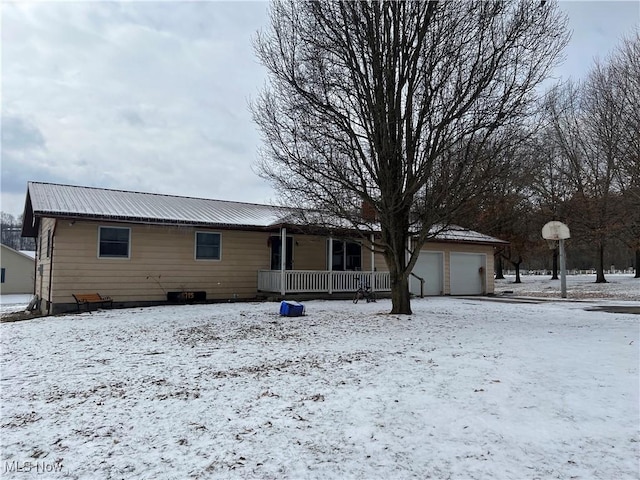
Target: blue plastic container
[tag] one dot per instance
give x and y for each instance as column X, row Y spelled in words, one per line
column 291, row 309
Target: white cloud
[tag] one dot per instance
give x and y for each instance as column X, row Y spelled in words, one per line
column 598, row 27
column 153, row 96
column 144, row 96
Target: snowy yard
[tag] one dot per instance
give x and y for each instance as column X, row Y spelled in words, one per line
column 462, row 389
column 14, row 303
column 618, row 286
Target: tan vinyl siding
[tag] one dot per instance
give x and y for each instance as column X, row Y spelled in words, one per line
column 43, row 262
column 309, row 252
column 162, row 259
column 379, row 260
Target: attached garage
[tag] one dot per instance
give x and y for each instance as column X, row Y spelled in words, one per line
column 430, row 268
column 456, row 262
column 468, row 272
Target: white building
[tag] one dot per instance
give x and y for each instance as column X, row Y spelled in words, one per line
column 18, row 271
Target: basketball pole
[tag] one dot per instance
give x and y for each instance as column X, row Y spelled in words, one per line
column 563, row 270
column 558, row 231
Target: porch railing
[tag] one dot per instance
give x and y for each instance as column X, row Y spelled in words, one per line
column 321, row 281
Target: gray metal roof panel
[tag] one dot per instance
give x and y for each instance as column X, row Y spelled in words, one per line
column 73, row 201
column 68, row 200
column 455, row 233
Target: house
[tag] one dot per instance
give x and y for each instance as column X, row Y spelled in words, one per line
column 144, row 249
column 18, row 271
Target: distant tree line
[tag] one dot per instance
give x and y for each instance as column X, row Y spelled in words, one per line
column 579, row 163
column 11, row 228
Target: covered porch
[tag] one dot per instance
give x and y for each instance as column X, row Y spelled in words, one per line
column 320, row 281
column 346, row 267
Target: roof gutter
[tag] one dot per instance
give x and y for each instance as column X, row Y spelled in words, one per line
column 156, row 222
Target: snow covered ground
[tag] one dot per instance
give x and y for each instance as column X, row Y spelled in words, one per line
column 461, row 389
column 14, row 303
column 618, row 286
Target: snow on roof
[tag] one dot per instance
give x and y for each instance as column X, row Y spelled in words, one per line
column 74, row 201
column 68, row 201
column 454, row 233
column 25, row 253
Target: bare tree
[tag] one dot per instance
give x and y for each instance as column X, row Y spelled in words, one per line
column 625, row 75
column 10, row 229
column 506, row 208
column 549, row 184
column 393, row 104
column 595, row 126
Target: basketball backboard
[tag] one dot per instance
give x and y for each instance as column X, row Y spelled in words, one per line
column 555, row 231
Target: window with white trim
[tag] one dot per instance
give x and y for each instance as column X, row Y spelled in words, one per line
column 208, row 246
column 346, row 255
column 114, row 242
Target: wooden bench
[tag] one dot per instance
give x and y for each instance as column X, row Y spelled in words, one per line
column 88, row 299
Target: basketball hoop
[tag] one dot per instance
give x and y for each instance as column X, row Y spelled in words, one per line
column 556, row 233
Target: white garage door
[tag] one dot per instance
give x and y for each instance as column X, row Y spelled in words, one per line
column 429, row 266
column 466, row 278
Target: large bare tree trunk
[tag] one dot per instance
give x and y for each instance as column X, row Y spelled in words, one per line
column 395, row 237
column 637, row 275
column 554, row 273
column 499, row 272
column 516, row 265
column 600, row 264
column 400, row 298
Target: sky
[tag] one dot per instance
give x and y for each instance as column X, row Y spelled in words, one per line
column 154, row 96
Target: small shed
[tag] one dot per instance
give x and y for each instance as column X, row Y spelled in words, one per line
column 18, row 271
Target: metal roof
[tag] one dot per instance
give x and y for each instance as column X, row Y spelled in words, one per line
column 55, row 200
column 68, row 201
column 454, row 233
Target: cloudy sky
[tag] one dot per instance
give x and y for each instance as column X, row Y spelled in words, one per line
column 153, row 96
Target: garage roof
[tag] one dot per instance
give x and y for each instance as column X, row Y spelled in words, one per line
column 454, row 233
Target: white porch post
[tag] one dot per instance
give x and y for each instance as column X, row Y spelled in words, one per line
column 283, row 260
column 373, row 265
column 330, row 264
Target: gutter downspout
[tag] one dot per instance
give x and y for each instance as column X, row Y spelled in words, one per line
column 40, row 268
column 35, row 271
column 51, row 244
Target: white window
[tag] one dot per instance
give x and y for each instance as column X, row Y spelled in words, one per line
column 346, row 256
column 208, row 246
column 114, row 242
